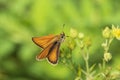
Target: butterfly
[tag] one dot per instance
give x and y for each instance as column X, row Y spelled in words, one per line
column 50, row 45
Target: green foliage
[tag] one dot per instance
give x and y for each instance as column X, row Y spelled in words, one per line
column 20, row 20
column 83, row 44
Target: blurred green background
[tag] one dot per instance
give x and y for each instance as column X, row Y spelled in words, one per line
column 20, row 20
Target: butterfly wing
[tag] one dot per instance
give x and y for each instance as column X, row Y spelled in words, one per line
column 44, row 53
column 44, row 41
column 54, row 53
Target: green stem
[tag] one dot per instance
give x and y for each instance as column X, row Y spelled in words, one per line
column 87, row 65
column 104, row 63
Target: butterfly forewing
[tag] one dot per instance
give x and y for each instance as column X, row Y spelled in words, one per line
column 54, row 53
column 44, row 41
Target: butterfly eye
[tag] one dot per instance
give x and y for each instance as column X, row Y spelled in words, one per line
column 62, row 36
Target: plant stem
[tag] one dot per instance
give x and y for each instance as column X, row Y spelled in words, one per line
column 86, row 58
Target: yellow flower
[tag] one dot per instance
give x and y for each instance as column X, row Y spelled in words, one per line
column 107, row 56
column 73, row 33
column 106, row 32
column 116, row 32
column 81, row 35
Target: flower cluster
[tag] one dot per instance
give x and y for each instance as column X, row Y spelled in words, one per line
column 81, row 39
column 109, row 34
column 74, row 34
column 79, row 43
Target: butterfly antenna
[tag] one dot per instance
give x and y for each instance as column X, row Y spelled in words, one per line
column 63, row 27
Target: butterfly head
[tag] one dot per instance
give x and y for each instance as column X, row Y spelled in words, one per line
column 62, row 37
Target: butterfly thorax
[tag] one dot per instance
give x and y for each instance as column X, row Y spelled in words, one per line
column 61, row 37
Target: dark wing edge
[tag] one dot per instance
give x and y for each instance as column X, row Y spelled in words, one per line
column 54, row 53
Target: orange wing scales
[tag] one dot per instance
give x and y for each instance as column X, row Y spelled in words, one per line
column 44, row 53
column 44, row 41
column 54, row 53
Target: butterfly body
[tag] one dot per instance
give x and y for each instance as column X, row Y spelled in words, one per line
column 50, row 45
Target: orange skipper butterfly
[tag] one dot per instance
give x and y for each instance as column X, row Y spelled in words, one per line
column 50, row 45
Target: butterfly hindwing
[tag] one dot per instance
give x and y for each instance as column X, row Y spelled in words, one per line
column 44, row 52
column 54, row 53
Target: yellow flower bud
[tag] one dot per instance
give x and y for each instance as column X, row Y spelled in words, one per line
column 106, row 32
column 107, row 56
column 81, row 35
column 73, row 33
